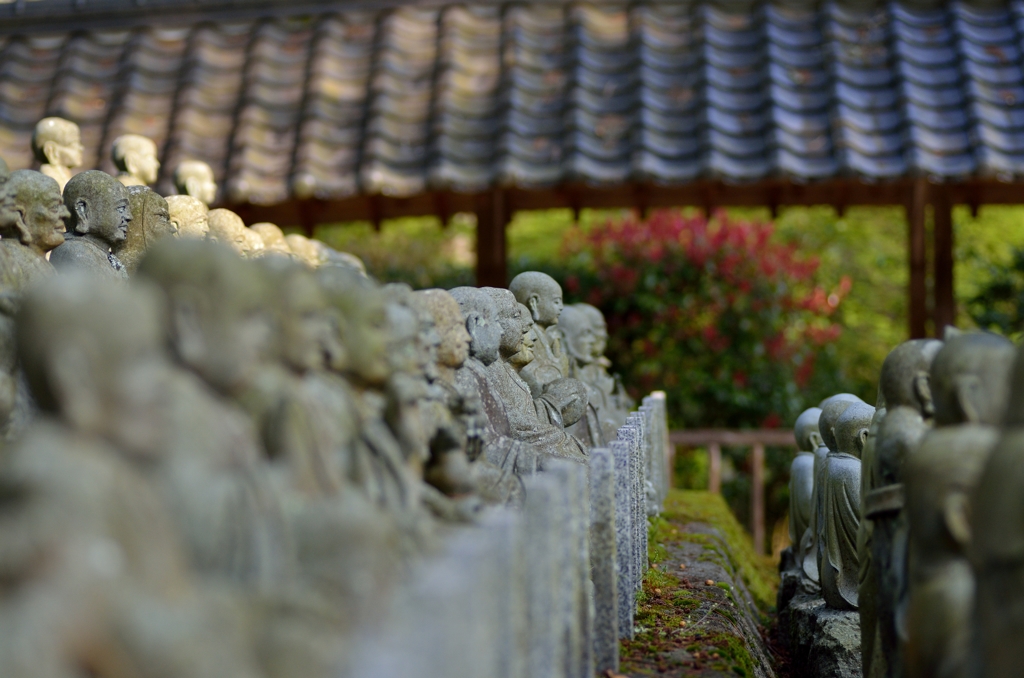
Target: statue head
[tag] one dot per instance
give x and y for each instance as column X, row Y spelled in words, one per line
column 905, row 381
column 195, row 178
column 98, row 206
column 597, row 325
column 304, row 249
column 578, row 329
column 227, row 228
column 58, row 142
column 481, row 322
column 360, row 323
column 453, row 349
column 150, row 223
column 851, row 428
column 524, row 356
column 304, row 327
column 570, row 397
column 831, row 409
column 510, row 317
column 135, row 155
column 190, row 216
column 332, row 257
column 970, row 379
column 92, row 353
column 35, row 213
column 806, row 431
column 217, row 321
column 540, row 294
column 273, row 238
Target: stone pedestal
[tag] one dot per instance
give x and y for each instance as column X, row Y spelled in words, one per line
column 822, row 641
column 604, row 570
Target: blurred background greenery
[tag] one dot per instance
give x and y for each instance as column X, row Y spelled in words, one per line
column 868, row 246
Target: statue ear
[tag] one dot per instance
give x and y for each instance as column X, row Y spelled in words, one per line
column 923, row 393
column 968, row 388
column 73, row 386
column 532, row 303
column 82, row 216
column 956, row 513
column 130, row 166
column 816, row 440
column 189, row 340
column 862, row 439
column 50, row 151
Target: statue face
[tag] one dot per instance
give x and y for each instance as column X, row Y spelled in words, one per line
column 365, row 338
column 143, row 165
column 306, row 326
column 158, row 220
column 546, row 306
column 68, row 149
column 108, row 214
column 484, row 338
column 44, row 219
column 189, row 216
column 524, row 356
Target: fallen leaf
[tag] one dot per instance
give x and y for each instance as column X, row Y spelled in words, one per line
column 657, row 591
column 710, row 582
column 682, row 566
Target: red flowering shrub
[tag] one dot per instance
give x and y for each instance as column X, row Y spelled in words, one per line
column 722, row 315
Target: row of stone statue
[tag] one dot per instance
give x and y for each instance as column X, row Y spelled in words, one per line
column 221, row 467
column 912, row 512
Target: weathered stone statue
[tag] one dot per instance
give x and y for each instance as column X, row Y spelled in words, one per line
column 273, row 238
column 32, row 217
column 228, row 228
column 305, row 249
column 150, row 224
column 542, row 296
column 57, row 145
column 801, row 479
column 515, row 393
column 564, row 402
column 970, row 383
column 98, row 221
column 831, row 409
column 580, row 339
column 189, row 216
column 906, row 389
column 195, row 178
column 135, row 158
column 840, row 569
column 598, row 369
column 867, row 598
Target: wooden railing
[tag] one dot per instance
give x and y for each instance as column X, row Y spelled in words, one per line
column 757, row 440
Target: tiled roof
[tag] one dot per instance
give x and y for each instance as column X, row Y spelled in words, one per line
column 466, row 97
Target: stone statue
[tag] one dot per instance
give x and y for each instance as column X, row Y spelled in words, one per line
column 598, row 369
column 867, row 597
column 57, row 145
column 831, row 409
column 195, row 178
column 801, row 478
column 542, row 296
column 135, row 158
column 189, row 216
column 98, row 221
column 228, row 228
column 580, row 338
column 564, row 402
column 305, row 249
column 31, row 224
column 839, row 570
column 150, row 224
column 970, row 383
column 906, row 389
column 273, row 238
column 515, row 393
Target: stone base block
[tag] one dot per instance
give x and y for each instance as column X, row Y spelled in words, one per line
column 822, row 642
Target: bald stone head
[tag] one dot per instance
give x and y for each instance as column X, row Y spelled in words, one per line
column 831, row 409
column 806, row 431
column 510, row 316
column 481, row 322
column 92, row 353
column 970, row 379
column 359, row 313
column 304, row 249
column 195, row 178
column 150, row 224
column 135, row 156
column 905, row 380
column 36, row 212
column 273, row 238
column 227, row 228
column 598, row 325
column 578, row 329
column 190, row 216
column 851, row 428
column 99, row 207
column 57, row 145
column 450, row 324
column 540, row 294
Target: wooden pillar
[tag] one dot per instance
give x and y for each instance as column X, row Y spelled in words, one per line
column 757, row 497
column 491, row 220
column 917, row 255
column 715, row 468
column 944, row 311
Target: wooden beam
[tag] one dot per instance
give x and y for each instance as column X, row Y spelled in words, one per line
column 917, row 256
column 944, row 310
column 757, row 497
column 715, row 468
column 492, row 217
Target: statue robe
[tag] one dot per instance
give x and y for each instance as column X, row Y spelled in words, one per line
column 801, row 490
column 840, row 569
column 550, row 361
column 811, row 543
column 80, row 254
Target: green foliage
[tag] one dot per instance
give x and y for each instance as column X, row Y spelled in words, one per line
column 999, row 303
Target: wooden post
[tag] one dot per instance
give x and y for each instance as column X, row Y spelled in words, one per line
column 916, row 253
column 491, row 260
column 714, row 468
column 757, row 497
column 944, row 312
